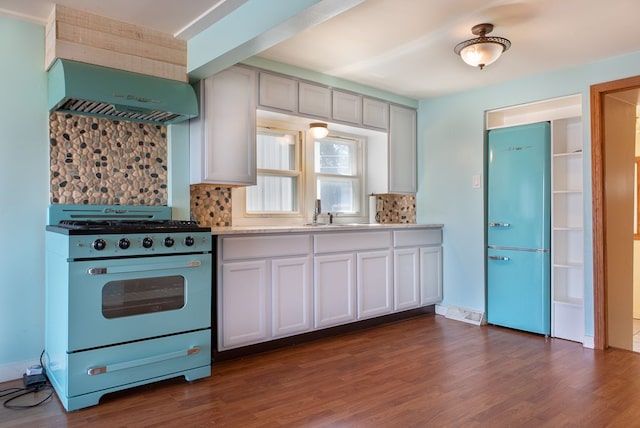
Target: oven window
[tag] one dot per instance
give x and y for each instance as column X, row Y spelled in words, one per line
column 142, row 296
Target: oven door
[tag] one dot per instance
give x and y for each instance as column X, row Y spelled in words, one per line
column 120, row 300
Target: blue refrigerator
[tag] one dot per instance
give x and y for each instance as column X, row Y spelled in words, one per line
column 518, row 228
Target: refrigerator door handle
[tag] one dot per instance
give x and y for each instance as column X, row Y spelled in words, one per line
column 500, row 258
column 495, row 224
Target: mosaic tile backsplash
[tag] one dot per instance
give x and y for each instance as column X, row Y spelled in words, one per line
column 96, row 161
column 397, row 208
column 211, row 205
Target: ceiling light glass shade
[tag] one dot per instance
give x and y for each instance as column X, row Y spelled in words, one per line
column 319, row 129
column 482, row 51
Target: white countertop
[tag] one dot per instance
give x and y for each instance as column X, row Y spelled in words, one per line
column 233, row 230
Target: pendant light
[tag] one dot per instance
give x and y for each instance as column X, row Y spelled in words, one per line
column 319, row 130
column 483, row 50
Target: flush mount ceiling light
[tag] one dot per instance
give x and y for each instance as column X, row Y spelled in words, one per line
column 482, row 50
column 319, row 129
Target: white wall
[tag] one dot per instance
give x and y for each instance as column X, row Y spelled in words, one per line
column 451, row 149
column 24, row 193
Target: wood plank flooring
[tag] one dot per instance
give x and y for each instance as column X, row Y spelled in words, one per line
column 422, row 372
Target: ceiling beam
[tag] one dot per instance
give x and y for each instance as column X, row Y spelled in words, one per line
column 251, row 28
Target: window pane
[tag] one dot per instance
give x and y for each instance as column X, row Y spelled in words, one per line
column 273, row 194
column 337, row 195
column 276, row 151
column 335, row 157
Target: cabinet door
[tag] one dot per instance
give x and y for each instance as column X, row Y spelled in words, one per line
column 291, row 289
column 347, row 107
column 229, row 128
column 242, row 304
column 314, row 100
column 402, row 150
column 406, row 274
column 278, row 92
column 375, row 113
column 430, row 275
column 374, row 284
column 334, row 289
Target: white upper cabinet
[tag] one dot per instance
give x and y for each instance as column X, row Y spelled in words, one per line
column 402, row 150
column 278, row 92
column 375, row 113
column 314, row 100
column 223, row 137
column 347, row 107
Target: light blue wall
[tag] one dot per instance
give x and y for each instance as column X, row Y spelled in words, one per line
column 24, row 191
column 451, row 150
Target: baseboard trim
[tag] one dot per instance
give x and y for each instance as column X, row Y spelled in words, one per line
column 588, row 342
column 15, row 370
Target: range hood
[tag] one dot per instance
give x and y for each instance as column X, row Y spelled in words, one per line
column 81, row 88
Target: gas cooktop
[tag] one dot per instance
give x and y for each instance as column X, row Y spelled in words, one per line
column 127, row 225
column 116, row 219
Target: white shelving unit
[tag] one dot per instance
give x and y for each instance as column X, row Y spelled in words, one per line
column 567, row 231
column 567, row 222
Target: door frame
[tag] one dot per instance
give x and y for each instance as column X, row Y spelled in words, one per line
column 598, row 179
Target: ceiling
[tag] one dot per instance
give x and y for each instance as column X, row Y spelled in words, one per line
column 406, row 46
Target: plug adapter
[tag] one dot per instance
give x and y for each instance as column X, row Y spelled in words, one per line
column 34, row 381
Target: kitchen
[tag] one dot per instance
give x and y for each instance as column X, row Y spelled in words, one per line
column 454, row 202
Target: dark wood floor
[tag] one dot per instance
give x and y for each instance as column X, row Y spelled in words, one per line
column 423, row 372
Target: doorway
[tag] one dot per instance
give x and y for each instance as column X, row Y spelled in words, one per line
column 612, row 205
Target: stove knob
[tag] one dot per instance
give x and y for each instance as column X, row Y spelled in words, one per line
column 147, row 242
column 99, row 244
column 189, row 241
column 168, row 241
column 124, row 243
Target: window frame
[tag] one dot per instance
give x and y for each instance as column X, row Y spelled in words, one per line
column 359, row 177
column 307, row 184
column 239, row 195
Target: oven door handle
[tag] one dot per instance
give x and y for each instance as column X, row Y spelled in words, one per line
column 92, row 371
column 143, row 268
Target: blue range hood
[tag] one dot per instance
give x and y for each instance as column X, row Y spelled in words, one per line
column 81, row 88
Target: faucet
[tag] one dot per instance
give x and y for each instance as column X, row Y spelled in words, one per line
column 316, row 211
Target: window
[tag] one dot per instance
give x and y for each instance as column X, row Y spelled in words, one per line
column 338, row 177
column 294, row 169
column 278, row 173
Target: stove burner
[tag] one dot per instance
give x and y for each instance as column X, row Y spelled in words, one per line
column 126, row 225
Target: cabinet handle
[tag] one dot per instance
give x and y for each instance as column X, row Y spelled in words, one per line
column 92, row 371
column 500, row 258
column 494, row 224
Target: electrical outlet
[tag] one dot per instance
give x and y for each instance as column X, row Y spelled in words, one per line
column 379, row 205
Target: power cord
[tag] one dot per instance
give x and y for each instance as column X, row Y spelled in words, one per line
column 31, row 389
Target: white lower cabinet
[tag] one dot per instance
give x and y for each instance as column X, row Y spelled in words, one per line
column 264, row 288
column 243, row 293
column 291, row 290
column 271, row 286
column 334, row 289
column 374, row 284
column 406, row 278
column 417, row 267
column 430, row 275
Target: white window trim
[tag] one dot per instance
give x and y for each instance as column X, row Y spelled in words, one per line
column 360, row 176
column 307, row 183
column 239, row 213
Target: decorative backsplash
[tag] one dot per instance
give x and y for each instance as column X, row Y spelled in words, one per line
column 96, row 161
column 211, row 205
column 397, row 208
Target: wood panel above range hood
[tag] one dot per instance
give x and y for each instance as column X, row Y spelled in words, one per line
column 85, row 37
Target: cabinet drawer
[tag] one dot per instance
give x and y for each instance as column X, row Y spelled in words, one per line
column 250, row 247
column 416, row 238
column 355, row 241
